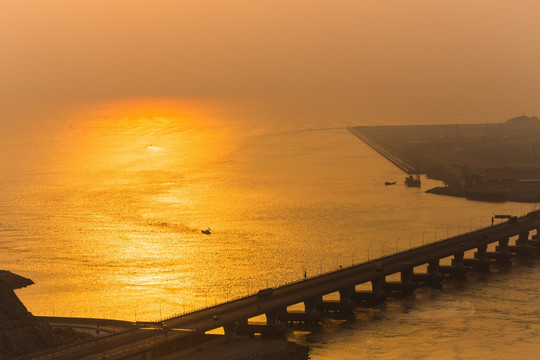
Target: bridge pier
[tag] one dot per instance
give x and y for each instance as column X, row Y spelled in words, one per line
column 457, row 269
column 310, row 305
column 480, row 261
column 522, row 244
column 345, row 295
column 406, row 285
column 432, row 278
column 375, row 296
column 273, row 326
column 309, row 315
column 501, row 253
column 272, row 317
column 230, row 331
column 377, row 289
column 407, row 280
column 535, row 239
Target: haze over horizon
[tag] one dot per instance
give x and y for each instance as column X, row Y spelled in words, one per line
column 346, row 62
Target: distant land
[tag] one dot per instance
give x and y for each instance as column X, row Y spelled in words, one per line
column 490, row 161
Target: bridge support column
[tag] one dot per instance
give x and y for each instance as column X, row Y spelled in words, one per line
column 311, row 313
column 311, row 305
column 230, row 331
column 480, row 261
column 537, row 235
column 345, row 295
column 369, row 298
column 433, row 268
column 435, row 276
column 502, row 253
column 523, row 239
column 377, row 289
column 407, row 280
column 457, row 261
column 535, row 239
column 345, row 304
column 522, row 246
column 404, row 286
column 480, row 254
column 272, row 318
column 457, row 269
column 242, row 327
column 503, row 245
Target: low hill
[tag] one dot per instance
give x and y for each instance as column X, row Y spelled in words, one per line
column 20, row 331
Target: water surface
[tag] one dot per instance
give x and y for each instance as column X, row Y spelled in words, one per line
column 104, row 212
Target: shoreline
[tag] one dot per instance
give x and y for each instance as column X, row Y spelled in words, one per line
column 474, row 161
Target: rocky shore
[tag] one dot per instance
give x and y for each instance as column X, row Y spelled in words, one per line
column 14, row 281
column 20, row 331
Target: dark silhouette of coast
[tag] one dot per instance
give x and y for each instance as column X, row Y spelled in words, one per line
column 20, row 331
column 490, row 162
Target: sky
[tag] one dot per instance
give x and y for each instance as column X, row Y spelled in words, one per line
column 354, row 62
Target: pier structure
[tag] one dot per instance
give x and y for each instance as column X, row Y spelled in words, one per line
column 147, row 342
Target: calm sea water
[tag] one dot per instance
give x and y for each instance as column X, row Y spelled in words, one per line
column 105, row 215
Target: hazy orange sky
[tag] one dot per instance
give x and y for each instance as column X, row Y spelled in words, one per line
column 351, row 61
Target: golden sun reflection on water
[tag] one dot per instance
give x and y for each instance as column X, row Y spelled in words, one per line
column 144, row 136
column 138, row 180
column 111, row 225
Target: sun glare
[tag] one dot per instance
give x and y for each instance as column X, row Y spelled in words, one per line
column 146, row 134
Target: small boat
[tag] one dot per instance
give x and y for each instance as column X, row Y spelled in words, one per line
column 389, row 183
column 411, row 181
column 207, row 231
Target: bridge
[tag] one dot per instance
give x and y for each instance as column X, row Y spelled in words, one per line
column 154, row 340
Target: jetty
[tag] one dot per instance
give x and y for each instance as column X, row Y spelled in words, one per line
column 487, row 162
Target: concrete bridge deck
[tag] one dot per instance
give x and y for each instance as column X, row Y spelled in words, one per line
column 139, row 343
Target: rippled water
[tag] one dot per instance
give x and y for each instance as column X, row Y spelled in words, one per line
column 104, row 212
